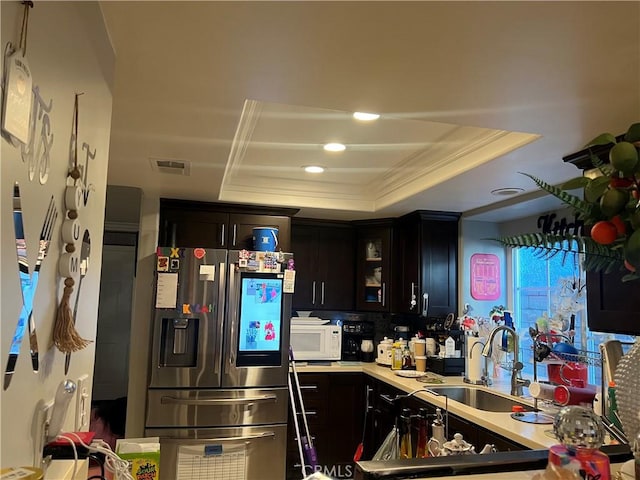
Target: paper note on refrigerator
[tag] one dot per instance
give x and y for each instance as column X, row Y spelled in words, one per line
column 289, row 281
column 167, row 290
column 207, row 273
column 212, row 462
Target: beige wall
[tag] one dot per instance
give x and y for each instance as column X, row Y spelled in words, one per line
column 69, row 52
column 142, row 315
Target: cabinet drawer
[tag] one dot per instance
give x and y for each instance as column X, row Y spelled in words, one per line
column 315, row 390
column 316, row 419
column 294, row 470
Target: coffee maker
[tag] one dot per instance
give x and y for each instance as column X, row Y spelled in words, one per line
column 357, row 340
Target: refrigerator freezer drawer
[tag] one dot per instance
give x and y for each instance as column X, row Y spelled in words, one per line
column 238, row 453
column 206, row 408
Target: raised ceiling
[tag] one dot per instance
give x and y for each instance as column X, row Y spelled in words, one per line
column 441, row 74
column 384, row 161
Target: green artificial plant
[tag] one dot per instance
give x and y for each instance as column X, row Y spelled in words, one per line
column 610, row 210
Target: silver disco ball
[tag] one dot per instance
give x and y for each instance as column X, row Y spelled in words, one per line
column 578, row 427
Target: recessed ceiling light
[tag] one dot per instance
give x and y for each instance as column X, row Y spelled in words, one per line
column 505, row 192
column 334, row 147
column 366, row 117
column 314, row 169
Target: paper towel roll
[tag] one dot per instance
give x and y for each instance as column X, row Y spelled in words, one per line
column 475, row 360
column 542, row 391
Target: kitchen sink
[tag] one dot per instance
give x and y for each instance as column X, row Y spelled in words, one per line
column 478, row 398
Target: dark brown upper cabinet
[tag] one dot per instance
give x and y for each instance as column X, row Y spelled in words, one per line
column 374, row 266
column 324, row 259
column 426, row 263
column 212, row 225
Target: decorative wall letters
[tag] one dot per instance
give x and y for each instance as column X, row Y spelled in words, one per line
column 65, row 336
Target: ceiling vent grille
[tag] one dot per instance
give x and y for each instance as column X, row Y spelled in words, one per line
column 171, row 167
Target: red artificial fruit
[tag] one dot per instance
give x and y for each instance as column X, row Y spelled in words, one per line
column 621, row 182
column 619, row 224
column 604, row 232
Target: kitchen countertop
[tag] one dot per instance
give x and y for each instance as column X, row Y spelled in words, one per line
column 526, row 475
column 529, row 435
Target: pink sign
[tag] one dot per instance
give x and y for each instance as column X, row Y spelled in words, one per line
column 485, row 276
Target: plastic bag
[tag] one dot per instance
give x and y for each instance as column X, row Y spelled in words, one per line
column 389, row 448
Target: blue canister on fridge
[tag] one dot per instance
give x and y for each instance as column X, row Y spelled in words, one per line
column 265, row 239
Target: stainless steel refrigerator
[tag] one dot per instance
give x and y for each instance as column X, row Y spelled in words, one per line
column 217, row 396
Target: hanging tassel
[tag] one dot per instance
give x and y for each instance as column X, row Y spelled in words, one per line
column 65, row 336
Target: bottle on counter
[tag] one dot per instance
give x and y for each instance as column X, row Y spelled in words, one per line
column 396, row 356
column 405, row 434
column 438, row 438
column 437, row 428
column 407, row 362
column 421, row 446
column 449, row 347
column 613, row 405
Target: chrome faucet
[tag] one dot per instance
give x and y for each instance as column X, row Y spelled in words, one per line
column 517, row 382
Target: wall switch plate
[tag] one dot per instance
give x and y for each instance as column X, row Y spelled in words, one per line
column 83, row 405
column 40, row 428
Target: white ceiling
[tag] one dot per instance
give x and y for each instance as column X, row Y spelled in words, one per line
column 459, row 85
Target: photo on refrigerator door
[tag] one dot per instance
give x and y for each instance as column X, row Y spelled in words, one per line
column 260, row 313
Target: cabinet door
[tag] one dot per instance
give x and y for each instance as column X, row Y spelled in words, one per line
column 184, row 228
column 373, row 287
column 407, row 291
column 468, row 430
column 439, row 266
column 346, row 404
column 304, row 245
column 502, row 444
column 335, row 267
column 384, row 414
column 240, row 231
column 325, row 265
column 612, row 305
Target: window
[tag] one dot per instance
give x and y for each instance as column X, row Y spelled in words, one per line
column 552, row 292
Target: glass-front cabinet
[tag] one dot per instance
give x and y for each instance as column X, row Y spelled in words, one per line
column 373, row 268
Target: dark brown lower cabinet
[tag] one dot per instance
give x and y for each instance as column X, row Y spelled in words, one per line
column 384, row 413
column 502, row 444
column 334, row 404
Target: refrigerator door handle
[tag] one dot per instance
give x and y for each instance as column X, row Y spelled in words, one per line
column 222, row 270
column 257, row 436
column 232, row 325
column 216, row 401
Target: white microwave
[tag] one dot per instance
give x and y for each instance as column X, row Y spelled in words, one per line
column 316, row 342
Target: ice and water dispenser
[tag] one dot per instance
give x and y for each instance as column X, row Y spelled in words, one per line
column 179, row 342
